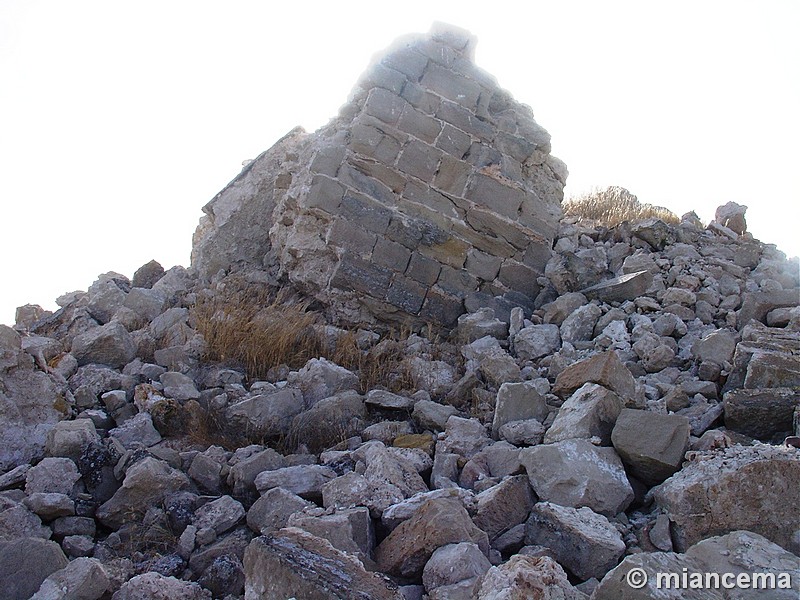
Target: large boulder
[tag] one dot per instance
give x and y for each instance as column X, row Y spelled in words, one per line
column 523, row 576
column 432, row 183
column 110, row 345
column 605, row 369
column 589, row 412
column 293, row 563
column 742, row 487
column 25, row 563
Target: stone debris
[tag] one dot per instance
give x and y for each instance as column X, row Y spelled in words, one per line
column 494, row 400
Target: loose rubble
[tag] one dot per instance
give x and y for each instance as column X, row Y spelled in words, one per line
column 569, row 401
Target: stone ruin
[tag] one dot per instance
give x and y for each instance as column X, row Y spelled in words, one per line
column 431, row 185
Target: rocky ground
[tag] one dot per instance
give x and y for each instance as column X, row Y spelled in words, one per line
column 628, row 397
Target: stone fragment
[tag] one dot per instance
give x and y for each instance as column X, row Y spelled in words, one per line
column 221, row 514
column 619, row 289
column 56, row 475
column 436, row 523
column 242, row 475
column 581, row 540
column 650, row 444
column 474, row 326
column 272, row 510
column 464, row 437
column 320, row 378
column 50, row 506
column 559, row 309
column 579, row 325
column 224, row 577
column 405, row 509
column 528, row 577
column 454, row 563
column 17, row 521
column 304, row 480
column 761, row 413
column 743, row 487
column 717, row 346
column 292, row 563
column 389, row 401
column 504, row 506
column 146, row 484
column 518, row 402
column 589, row 412
column 731, row 215
column 535, row 341
column 349, row 530
column 576, row 473
column 155, row 586
column 109, row 345
column 432, row 415
column 604, row 368
column 495, row 364
column 137, row 431
column 329, row 422
column 83, row 579
column 522, row 433
column 25, row 563
column 70, row 438
column 179, row 386
column 147, row 275
column 265, row 415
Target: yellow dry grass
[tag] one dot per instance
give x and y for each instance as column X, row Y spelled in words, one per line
column 614, row 205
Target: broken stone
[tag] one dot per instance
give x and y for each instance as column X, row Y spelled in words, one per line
column 221, row 514
column 109, row 345
column 619, row 289
column 83, row 578
column 454, row 563
column 56, row 475
column 591, row 411
column 25, row 563
column 272, row 510
column 604, row 368
column 320, row 378
column 135, row 431
column 535, row 341
column 528, row 577
column 761, row 413
column 432, row 415
column 158, row 587
column 518, row 402
column 504, row 506
column 522, row 433
column 304, row 480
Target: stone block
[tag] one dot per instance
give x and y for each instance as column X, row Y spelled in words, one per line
column 590, row 412
column 622, row 288
column 452, row 175
column 361, row 181
column 452, row 252
column 463, row 119
column 362, row 276
column 384, row 105
column 429, row 204
column 346, row 234
column 456, row 281
column 406, row 294
column 423, row 269
column 488, row 222
column 441, row 307
column 366, row 212
column 419, row 124
column 761, row 413
column 482, row 265
column 392, row 255
column 421, row 99
column 328, row 160
column 452, row 86
column 407, row 61
column 419, row 160
column 518, row 402
column 325, row 193
column 368, row 139
column 498, row 196
column 453, row 141
column 518, row 277
column 604, row 368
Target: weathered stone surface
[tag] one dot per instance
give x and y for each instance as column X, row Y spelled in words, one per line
column 388, row 400
column 146, row 484
column 604, row 368
column 320, row 378
column 304, row 480
column 109, row 345
column 580, row 539
column 81, row 579
column 243, row 474
column 579, row 326
column 537, row 341
column 405, row 509
column 349, row 530
column 591, row 411
column 158, row 587
column 70, row 438
column 365, row 174
column 265, row 415
column 518, row 402
column 50, row 506
column 650, row 444
column 272, row 510
column 528, row 577
column 454, row 563
column 619, row 289
column 25, row 563
column 137, row 430
column 17, row 521
column 464, row 437
column 576, row 473
column 437, row 523
column 503, row 506
column 221, row 514
column 432, row 415
column 752, row 488
column 717, row 346
column 522, row 433
column 761, row 413
column 294, row 563
column 329, row 422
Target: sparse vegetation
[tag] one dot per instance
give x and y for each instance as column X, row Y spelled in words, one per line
column 614, row 205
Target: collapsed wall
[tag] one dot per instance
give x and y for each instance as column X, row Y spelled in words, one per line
column 432, row 184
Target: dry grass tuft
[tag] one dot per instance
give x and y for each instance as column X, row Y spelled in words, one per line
column 614, row 205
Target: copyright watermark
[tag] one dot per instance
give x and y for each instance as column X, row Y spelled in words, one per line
column 637, row 578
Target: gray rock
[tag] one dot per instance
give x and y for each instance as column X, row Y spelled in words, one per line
column 83, row 578
column 761, row 413
column 206, row 472
column 50, row 506
column 731, row 215
column 265, row 415
column 158, row 587
column 717, row 346
column 579, row 325
column 386, row 431
column 109, row 345
column 25, row 563
column 179, row 386
column 388, row 400
column 221, row 515
column 147, row 275
column 575, row 473
column 353, row 489
column 528, row 577
column 454, row 563
column 77, row 546
column 224, row 577
column 135, row 431
column 518, row 402
column 522, row 433
column 604, row 368
column 56, row 475
column 464, row 437
column 406, row 550
column 432, row 415
column 349, row 530
column 320, row 378
column 474, row 326
column 304, row 480
column 589, row 412
column 619, row 289
column 559, row 309
column 17, row 521
column 742, row 487
column 147, row 304
column 580, row 539
column 650, row 444
column 70, row 438
column 329, row 422
column 242, row 475
column 405, row 509
column 504, row 506
column 272, row 510
column 294, row 563
column 535, row 341
column 146, row 484
column 494, row 363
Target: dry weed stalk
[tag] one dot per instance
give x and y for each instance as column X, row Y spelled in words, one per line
column 614, row 205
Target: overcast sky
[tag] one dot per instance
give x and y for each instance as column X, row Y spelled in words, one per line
column 119, row 120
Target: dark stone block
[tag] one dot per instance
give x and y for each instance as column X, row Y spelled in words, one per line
column 419, row 160
column 442, row 308
column 407, row 61
column 452, row 86
column 452, row 175
column 419, row 125
column 463, row 119
column 423, row 269
column 406, row 294
column 454, row 141
column 362, row 276
column 391, row 255
column 325, row 193
column 346, row 234
column 358, row 180
column 488, row 191
column 421, row 99
column 384, row 105
column 519, row 277
column 382, row 77
column 457, row 282
column 365, row 211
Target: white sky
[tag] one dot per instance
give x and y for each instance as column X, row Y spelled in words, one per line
column 119, row 120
